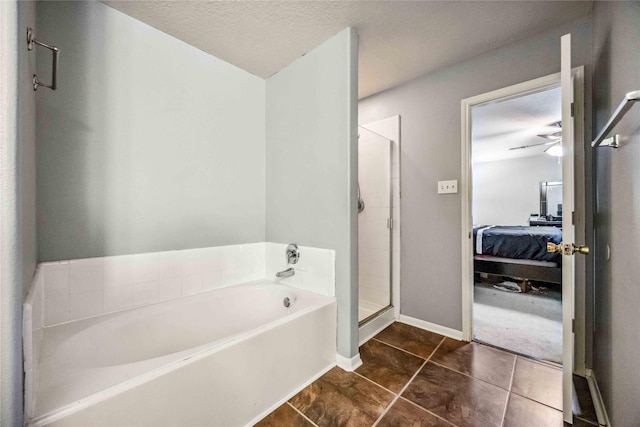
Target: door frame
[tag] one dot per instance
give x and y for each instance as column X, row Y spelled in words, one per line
column 466, row 186
column 389, row 128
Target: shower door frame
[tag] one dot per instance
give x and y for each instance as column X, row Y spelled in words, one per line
column 389, row 228
column 391, row 312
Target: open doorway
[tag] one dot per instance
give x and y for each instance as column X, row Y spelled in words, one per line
column 516, row 210
column 522, row 270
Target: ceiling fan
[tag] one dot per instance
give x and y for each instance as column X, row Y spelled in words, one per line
column 554, row 143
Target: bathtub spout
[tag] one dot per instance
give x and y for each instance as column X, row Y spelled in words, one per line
column 286, row 273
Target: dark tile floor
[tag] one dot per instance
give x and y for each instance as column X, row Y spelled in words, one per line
column 411, row 377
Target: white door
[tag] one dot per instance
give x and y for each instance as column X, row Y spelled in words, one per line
column 568, row 266
column 567, row 247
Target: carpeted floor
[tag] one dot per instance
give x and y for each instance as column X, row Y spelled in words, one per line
column 530, row 323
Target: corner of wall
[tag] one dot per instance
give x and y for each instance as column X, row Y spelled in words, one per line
column 314, row 161
column 11, row 293
column 27, row 145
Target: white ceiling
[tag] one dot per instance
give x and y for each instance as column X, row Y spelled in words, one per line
column 498, row 126
column 399, row 40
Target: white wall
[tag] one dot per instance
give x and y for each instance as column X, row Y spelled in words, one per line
column 311, row 159
column 149, row 144
column 506, row 192
column 430, row 111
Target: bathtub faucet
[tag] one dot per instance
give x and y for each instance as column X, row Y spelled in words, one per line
column 286, row 273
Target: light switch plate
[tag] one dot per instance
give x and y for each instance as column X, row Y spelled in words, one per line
column 448, row 187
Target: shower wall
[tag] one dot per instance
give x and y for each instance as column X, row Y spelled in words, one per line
column 374, row 238
column 148, row 144
column 311, row 164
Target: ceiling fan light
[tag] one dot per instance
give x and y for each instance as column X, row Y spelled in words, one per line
column 557, row 136
column 554, row 150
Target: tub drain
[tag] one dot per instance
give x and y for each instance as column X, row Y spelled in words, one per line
column 286, row 302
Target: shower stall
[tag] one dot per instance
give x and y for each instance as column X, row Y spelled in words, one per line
column 375, row 221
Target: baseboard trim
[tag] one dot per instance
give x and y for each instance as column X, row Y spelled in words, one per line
column 431, row 327
column 372, row 328
column 347, row 364
column 598, row 403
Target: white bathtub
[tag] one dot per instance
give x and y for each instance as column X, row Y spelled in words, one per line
column 224, row 357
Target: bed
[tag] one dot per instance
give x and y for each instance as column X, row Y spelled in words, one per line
column 519, row 252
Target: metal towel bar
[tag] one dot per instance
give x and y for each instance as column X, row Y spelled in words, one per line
column 31, row 41
column 601, row 140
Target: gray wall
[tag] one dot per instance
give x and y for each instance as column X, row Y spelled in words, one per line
column 311, row 160
column 18, row 215
column 149, row 144
column 430, row 110
column 506, row 192
column 616, row 36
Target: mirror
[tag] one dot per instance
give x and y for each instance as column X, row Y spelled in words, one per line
column 551, row 198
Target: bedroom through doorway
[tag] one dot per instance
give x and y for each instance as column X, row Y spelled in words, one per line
column 516, row 175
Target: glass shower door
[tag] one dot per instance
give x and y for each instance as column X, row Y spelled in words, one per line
column 374, row 224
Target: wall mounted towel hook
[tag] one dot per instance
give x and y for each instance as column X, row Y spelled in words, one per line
column 614, row 141
column 31, row 41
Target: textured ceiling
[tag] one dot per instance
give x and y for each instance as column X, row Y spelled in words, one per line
column 515, row 122
column 399, row 40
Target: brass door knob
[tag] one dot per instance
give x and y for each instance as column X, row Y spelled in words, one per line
column 567, row 249
column 584, row 250
column 552, row 247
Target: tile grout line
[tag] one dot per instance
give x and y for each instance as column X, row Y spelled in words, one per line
column 303, row 415
column 451, row 369
column 397, row 396
column 531, row 359
column 541, row 362
column 513, row 373
column 533, row 400
column 373, row 382
column 427, row 411
column 434, row 350
column 521, row 395
column 401, row 349
column 407, row 384
column 469, row 376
